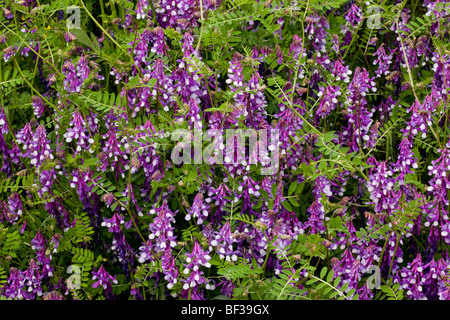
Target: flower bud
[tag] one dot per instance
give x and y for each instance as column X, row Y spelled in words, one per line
column 260, row 225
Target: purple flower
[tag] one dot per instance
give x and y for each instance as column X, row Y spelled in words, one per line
column 114, row 224
column 161, row 233
column 141, row 9
column 217, row 196
column 113, row 158
column 103, row 278
column 35, row 144
column 255, row 102
column 7, row 12
column 164, row 87
column 328, row 100
column 55, row 242
column 298, row 53
column 223, row 243
column 75, row 77
column 296, row 49
column 53, row 295
column 15, row 207
column 56, row 209
column 72, row 82
column 69, row 36
column 79, row 181
column 169, row 268
column 198, row 210
column 227, row 287
column 322, row 187
column 441, row 80
column 80, row 133
column 386, row 107
column 381, row 187
column 316, row 31
column 43, row 255
column 359, row 118
column 315, row 223
column 348, row 268
column 421, row 117
column 235, row 76
column 340, row 71
column 120, row 76
column 406, row 161
column 8, row 53
column 195, row 277
column 383, row 60
column 159, row 45
column 32, row 281
column 246, row 188
column 46, row 180
column 15, row 285
column 259, row 245
column 413, row 279
column 194, row 117
column 140, row 50
column 436, row 285
column 178, row 15
column 38, row 106
column 353, row 16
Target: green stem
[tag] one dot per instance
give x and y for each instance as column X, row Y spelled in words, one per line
column 353, row 39
column 155, row 22
column 104, row 31
column 37, row 92
column 32, row 49
column 203, row 25
column 102, row 8
column 411, row 82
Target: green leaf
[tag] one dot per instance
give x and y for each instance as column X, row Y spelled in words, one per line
column 330, row 276
column 292, row 187
column 220, row 297
column 351, row 292
column 344, row 286
column 322, row 166
column 337, row 281
column 311, row 281
column 287, row 206
column 254, row 264
column 293, row 202
column 327, row 290
column 323, row 272
column 83, row 38
column 274, row 190
column 114, row 206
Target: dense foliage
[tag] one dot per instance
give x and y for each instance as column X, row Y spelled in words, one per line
column 353, row 95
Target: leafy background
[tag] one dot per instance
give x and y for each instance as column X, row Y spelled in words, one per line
column 313, row 231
